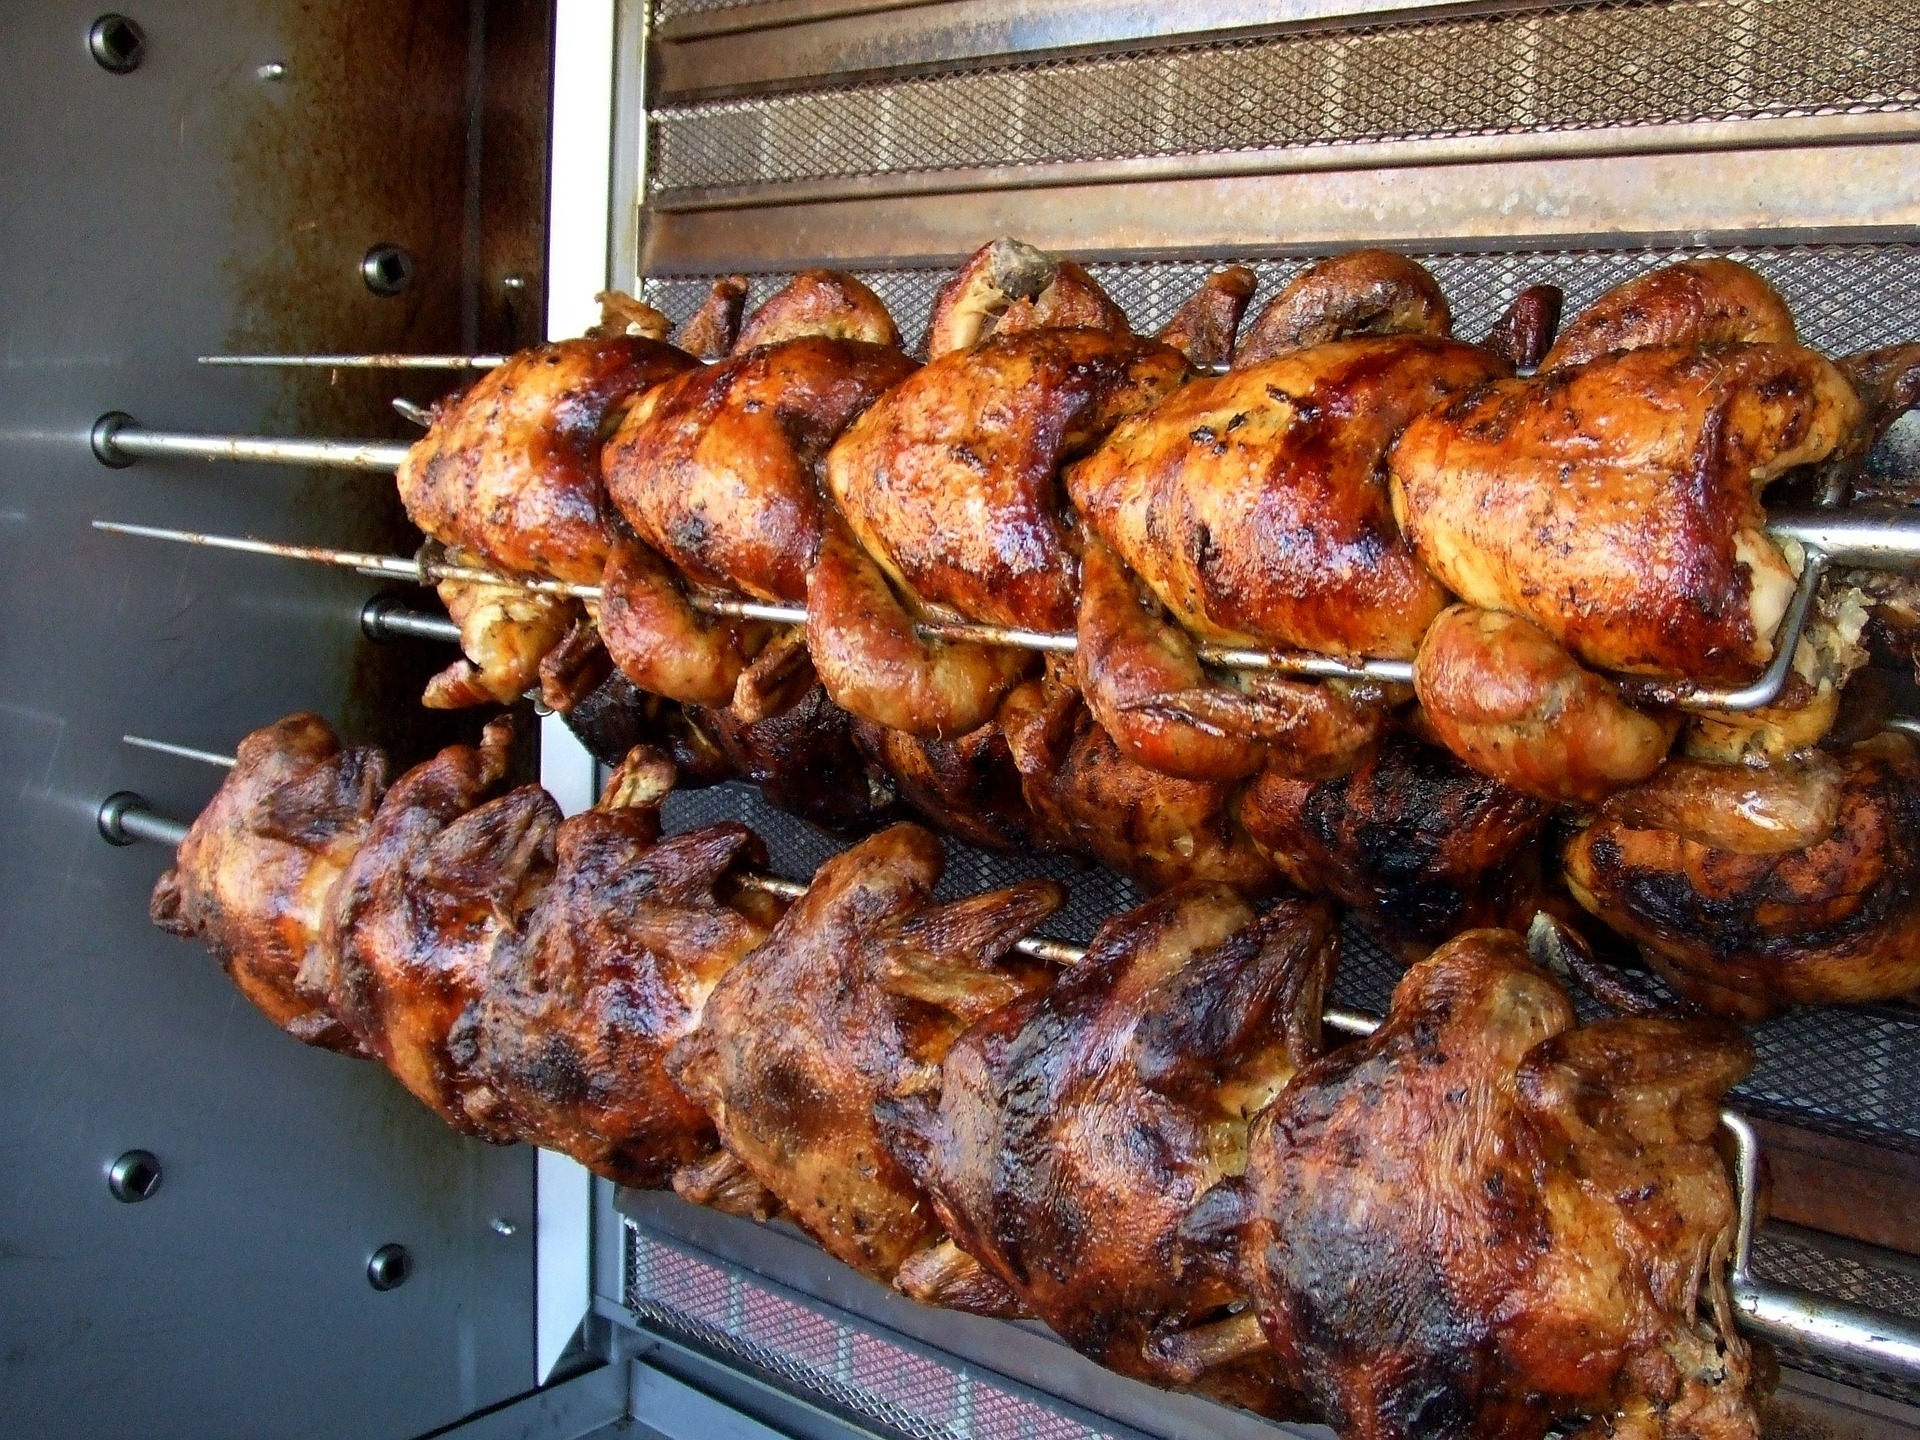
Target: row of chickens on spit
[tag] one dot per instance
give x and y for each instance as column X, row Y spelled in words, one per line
column 1483, row 1219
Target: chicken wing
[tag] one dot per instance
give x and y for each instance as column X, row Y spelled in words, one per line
column 252, row 879
column 856, row 995
column 1481, row 1220
column 568, row 1041
column 447, row 870
column 1753, row 890
column 1075, row 1128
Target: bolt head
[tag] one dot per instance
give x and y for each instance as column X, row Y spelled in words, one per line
column 117, row 44
column 134, row 1176
column 388, row 1267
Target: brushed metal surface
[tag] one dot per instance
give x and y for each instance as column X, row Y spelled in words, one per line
column 189, row 207
column 1795, row 194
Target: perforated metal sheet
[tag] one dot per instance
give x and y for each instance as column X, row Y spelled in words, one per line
column 1844, row 297
column 1532, row 71
column 848, row 1366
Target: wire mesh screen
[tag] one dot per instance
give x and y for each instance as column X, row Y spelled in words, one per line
column 1877, row 1279
column 1519, row 72
column 831, row 1358
column 1844, row 297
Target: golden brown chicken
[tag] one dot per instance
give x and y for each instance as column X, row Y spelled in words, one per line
column 252, row 879
column 1007, row 286
column 969, row 787
column 718, row 474
column 1483, row 1220
column 446, row 872
column 1751, row 890
column 568, row 1041
column 856, row 996
column 950, row 492
column 1250, row 509
column 1076, row 1127
column 1418, row 844
column 507, row 477
column 807, row 760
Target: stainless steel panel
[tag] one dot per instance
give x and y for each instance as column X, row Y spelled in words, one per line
column 208, row 200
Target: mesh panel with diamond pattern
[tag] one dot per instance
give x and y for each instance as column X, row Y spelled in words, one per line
column 1520, row 72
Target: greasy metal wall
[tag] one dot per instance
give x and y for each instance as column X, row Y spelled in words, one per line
column 196, row 203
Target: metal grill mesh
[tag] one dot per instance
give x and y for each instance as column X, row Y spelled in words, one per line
column 832, row 1358
column 1845, row 297
column 664, row 10
column 1560, row 69
column 1877, row 1279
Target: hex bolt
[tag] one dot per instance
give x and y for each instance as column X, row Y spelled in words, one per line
column 118, row 44
column 134, row 1177
column 388, row 1267
column 387, row 269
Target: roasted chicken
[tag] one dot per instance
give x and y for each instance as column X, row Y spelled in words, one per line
column 567, row 1041
column 1250, row 512
column 718, row 474
column 950, row 492
column 1484, row 1220
column 450, row 867
column 1754, row 889
column 1418, row 844
column 856, row 996
column 253, row 877
column 1075, row 1128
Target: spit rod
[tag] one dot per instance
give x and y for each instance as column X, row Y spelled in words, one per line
column 1798, row 1318
column 119, row 440
column 359, row 362
column 1866, row 537
column 384, row 617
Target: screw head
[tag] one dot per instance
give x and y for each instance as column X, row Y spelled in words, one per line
column 134, row 1176
column 388, row 1267
column 387, row 269
column 118, row 44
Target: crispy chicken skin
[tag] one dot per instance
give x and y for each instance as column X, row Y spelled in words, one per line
column 506, row 633
column 1077, row 1126
column 509, row 471
column 1249, row 509
column 1482, row 1220
column 1755, row 890
column 949, row 487
column 806, row 760
column 1205, row 326
column 1615, row 501
column 1364, row 292
column 252, row 878
column 447, row 870
column 718, row 474
column 1692, row 302
column 827, row 304
column 856, row 995
column 1007, row 286
column 969, row 787
column 1502, row 696
column 1420, row 845
column 611, row 968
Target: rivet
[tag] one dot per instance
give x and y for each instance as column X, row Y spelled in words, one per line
column 388, row 1267
column 134, row 1177
column 117, row 43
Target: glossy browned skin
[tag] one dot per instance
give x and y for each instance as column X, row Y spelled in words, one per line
column 711, row 330
column 510, row 470
column 252, row 878
column 1523, row 335
column 447, row 870
column 1204, row 327
column 968, row 787
column 949, row 484
column 1691, row 302
column 823, row 303
column 1077, row 1126
column 1363, row 292
column 1832, row 921
column 1482, row 1220
column 1616, row 502
column 1007, row 286
column 611, row 968
column 807, row 761
column 1251, row 504
column 802, row 1038
column 1085, row 796
column 1419, row 844
column 1502, row 696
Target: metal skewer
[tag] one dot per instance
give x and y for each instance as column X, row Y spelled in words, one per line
column 1799, row 1318
column 358, row 362
column 1862, row 538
